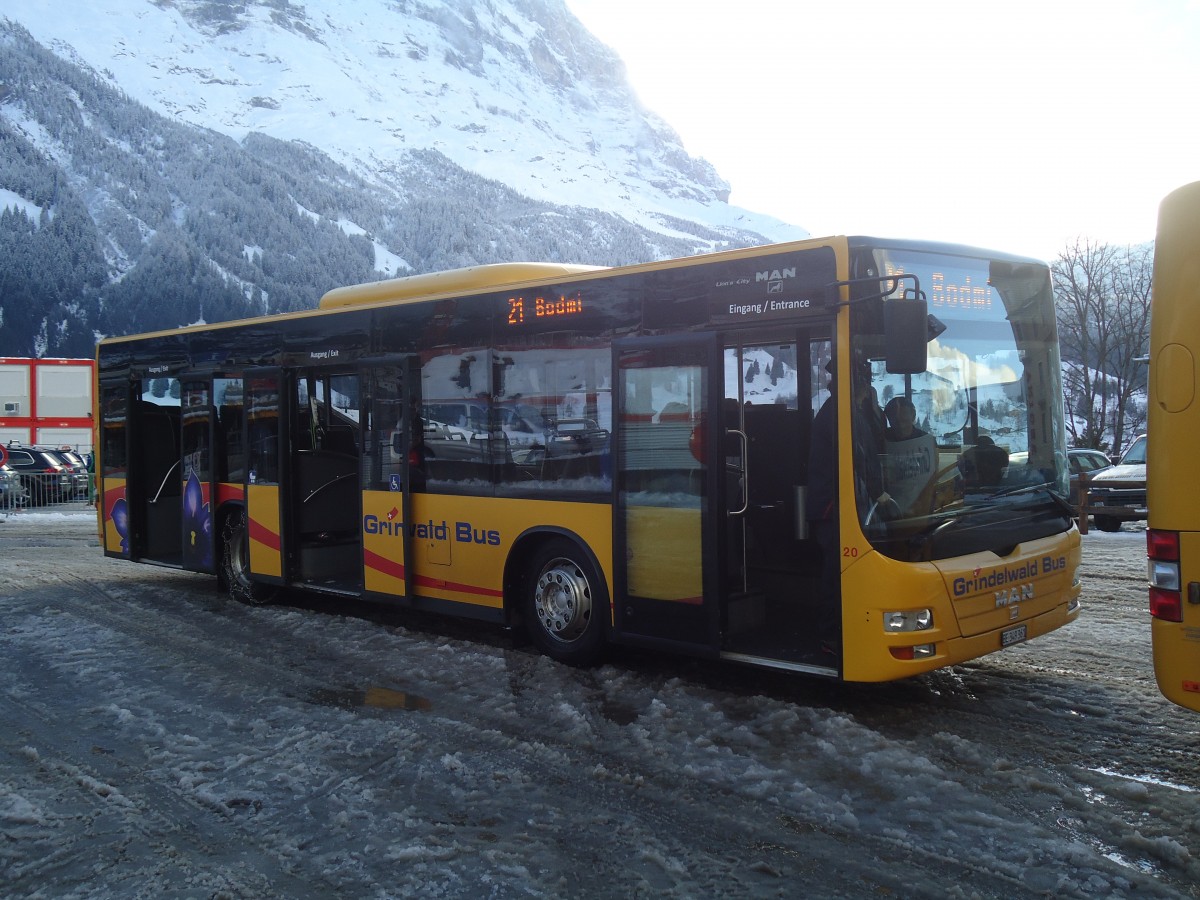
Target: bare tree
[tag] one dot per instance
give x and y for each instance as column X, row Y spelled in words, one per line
column 1126, row 362
column 1102, row 295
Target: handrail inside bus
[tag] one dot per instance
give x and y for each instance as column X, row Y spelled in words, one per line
column 321, row 487
column 166, row 478
column 745, row 472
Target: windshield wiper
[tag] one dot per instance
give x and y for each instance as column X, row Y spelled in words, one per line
column 1045, row 486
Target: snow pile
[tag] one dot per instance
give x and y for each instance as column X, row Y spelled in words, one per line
column 160, row 738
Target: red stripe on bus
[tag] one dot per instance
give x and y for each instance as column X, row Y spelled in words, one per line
column 383, row 565
column 227, row 492
column 386, row 566
column 425, row 581
column 262, row 534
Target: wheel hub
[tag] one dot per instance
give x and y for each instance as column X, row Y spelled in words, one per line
column 563, row 600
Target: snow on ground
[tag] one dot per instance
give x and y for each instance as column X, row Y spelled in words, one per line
column 161, row 740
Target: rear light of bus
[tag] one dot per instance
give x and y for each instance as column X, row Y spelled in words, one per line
column 1162, row 551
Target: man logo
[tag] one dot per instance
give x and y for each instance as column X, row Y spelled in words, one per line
column 1014, row 595
column 775, row 275
column 774, row 279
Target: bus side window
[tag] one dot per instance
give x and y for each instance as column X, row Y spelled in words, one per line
column 553, row 410
column 384, row 445
column 262, row 429
column 230, row 454
column 454, row 450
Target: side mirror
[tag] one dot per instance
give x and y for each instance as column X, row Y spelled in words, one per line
column 906, row 327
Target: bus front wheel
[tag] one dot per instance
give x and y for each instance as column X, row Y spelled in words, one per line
column 565, row 604
column 235, row 564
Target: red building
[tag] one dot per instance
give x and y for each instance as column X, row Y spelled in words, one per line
column 47, row 402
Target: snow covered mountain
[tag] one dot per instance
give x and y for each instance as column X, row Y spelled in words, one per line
column 250, row 155
column 512, row 90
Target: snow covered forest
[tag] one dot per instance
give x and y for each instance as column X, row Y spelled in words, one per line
column 182, row 202
column 116, row 219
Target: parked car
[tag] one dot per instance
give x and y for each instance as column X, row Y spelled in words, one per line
column 1118, row 494
column 45, row 478
column 12, row 490
column 73, row 463
column 1084, row 461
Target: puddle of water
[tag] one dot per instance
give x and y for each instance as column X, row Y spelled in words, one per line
column 372, row 697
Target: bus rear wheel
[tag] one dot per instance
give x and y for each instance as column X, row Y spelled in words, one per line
column 1107, row 523
column 565, row 604
column 235, row 564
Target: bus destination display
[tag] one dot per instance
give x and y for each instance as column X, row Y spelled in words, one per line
column 522, row 309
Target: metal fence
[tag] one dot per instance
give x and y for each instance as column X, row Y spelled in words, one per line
column 35, row 491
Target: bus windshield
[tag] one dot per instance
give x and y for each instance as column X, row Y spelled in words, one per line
column 961, row 455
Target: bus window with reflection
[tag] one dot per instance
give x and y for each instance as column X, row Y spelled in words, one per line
column 974, row 446
column 553, row 406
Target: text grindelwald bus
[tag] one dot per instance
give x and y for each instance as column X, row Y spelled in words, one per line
column 1173, row 434
column 843, row 457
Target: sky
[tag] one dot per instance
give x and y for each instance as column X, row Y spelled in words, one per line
column 1023, row 126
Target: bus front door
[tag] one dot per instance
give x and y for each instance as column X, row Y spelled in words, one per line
column 665, row 528
column 771, row 566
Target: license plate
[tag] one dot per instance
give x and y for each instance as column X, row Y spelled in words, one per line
column 1012, row 636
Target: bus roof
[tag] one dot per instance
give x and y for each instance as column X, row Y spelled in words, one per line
column 477, row 279
column 421, row 287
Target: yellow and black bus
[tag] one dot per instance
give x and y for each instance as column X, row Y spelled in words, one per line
column 1173, row 434
column 839, row 456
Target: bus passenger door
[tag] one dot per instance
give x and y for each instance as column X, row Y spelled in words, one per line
column 664, row 523
column 112, row 472
column 196, row 487
column 154, row 493
column 392, row 473
column 323, row 497
column 264, row 440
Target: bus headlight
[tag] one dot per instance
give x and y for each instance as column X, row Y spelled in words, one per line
column 908, row 620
